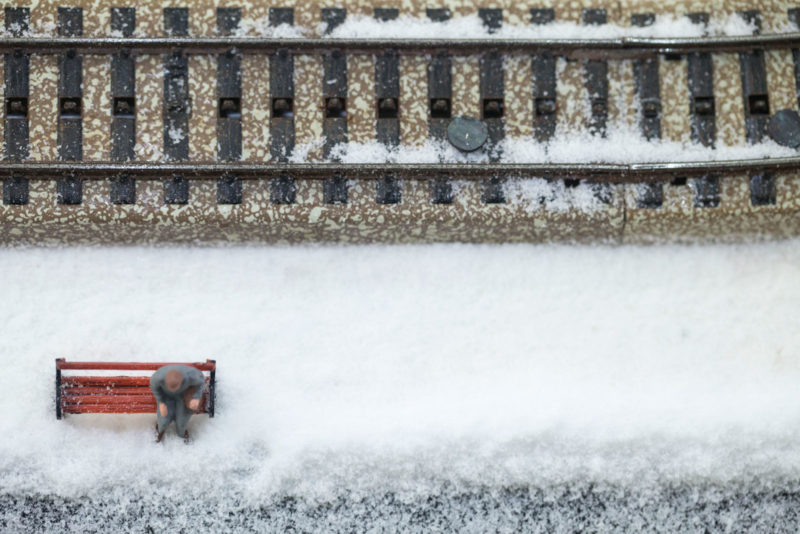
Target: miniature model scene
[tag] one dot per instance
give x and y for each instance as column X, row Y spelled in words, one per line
column 464, row 267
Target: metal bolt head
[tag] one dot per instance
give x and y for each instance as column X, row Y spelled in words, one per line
column 784, row 128
column 599, row 107
column 388, row 104
column 281, row 104
column 334, row 104
column 650, row 108
column 440, row 104
column 17, row 106
column 467, row 133
column 545, row 106
column 704, row 105
column 492, row 108
column 759, row 105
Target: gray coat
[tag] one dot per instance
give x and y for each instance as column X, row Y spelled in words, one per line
column 176, row 409
column 192, row 377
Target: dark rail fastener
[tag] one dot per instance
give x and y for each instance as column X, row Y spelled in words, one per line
column 784, row 128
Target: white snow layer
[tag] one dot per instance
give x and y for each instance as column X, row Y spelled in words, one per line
column 468, row 27
column 472, row 27
column 364, row 368
column 622, row 145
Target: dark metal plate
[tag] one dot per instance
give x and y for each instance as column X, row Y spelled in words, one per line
column 467, row 133
column 784, row 128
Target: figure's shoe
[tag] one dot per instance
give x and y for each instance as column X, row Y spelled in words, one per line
column 159, row 435
column 186, row 436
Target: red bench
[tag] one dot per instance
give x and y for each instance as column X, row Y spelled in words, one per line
column 118, row 394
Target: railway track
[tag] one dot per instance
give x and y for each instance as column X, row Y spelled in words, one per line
column 615, row 48
column 118, row 130
column 616, row 173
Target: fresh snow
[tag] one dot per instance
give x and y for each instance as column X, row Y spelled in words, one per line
column 472, row 27
column 468, row 27
column 622, row 145
column 363, row 369
column 176, row 135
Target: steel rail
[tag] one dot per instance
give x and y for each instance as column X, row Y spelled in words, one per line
column 623, row 47
column 600, row 172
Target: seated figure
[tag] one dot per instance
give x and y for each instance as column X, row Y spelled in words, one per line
column 178, row 390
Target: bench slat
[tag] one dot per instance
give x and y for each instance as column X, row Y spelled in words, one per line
column 110, row 381
column 116, row 408
column 129, row 407
column 108, row 399
column 98, row 390
column 129, row 366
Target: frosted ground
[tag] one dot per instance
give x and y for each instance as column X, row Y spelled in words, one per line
column 430, row 388
column 470, row 27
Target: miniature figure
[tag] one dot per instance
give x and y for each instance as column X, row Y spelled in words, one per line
column 178, row 390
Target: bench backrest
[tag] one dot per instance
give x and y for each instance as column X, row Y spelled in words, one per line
column 118, row 394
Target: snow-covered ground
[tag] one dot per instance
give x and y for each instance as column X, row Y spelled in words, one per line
column 623, row 144
column 347, row 374
column 472, row 27
column 469, row 27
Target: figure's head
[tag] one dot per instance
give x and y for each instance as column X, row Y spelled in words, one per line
column 173, row 380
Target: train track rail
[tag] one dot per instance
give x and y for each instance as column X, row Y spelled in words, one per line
column 164, row 132
column 618, row 48
column 600, row 172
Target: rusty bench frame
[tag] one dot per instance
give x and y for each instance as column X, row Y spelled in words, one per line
column 119, row 394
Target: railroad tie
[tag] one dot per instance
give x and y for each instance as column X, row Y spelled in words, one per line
column 470, row 86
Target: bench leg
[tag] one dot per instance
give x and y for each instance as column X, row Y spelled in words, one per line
column 212, row 391
column 58, row 390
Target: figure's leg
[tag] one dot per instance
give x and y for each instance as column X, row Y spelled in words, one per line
column 182, row 416
column 163, row 422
